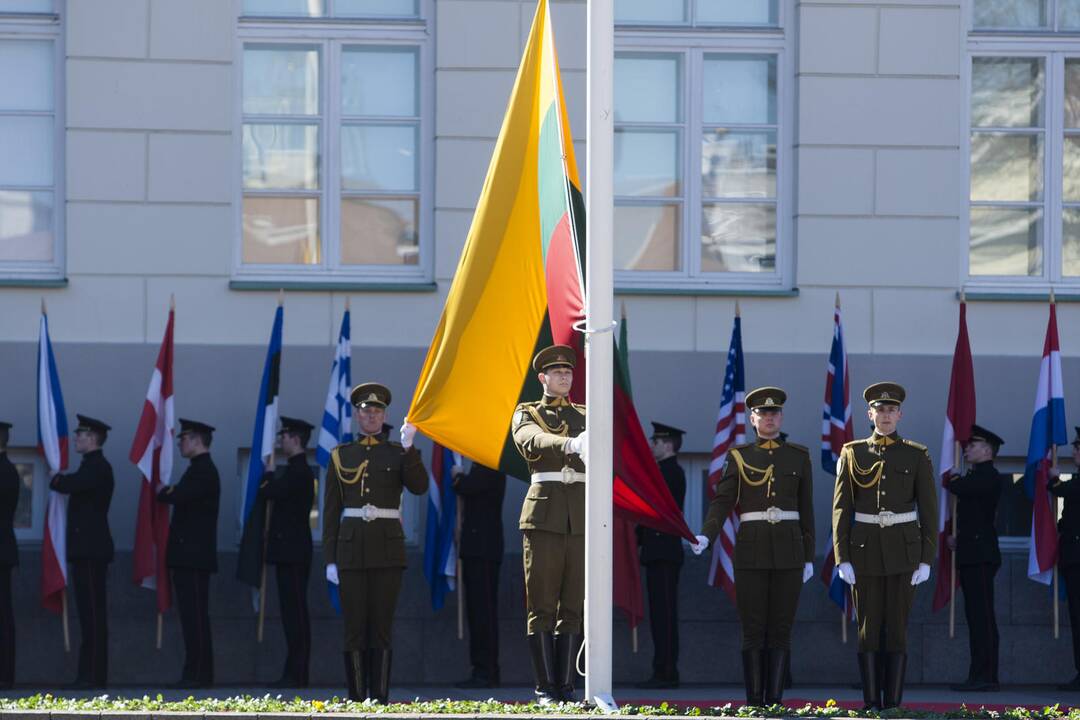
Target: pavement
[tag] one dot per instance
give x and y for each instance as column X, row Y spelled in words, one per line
column 921, row 697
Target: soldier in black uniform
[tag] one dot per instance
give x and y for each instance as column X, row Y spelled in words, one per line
column 9, row 558
column 978, row 557
column 191, row 554
column 90, row 546
column 481, row 550
column 288, row 545
column 662, row 556
column 1069, row 552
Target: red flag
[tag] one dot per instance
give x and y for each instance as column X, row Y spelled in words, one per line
column 626, row 578
column 959, row 417
column 152, row 452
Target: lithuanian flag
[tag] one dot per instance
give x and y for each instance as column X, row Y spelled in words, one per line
column 518, row 284
column 518, row 288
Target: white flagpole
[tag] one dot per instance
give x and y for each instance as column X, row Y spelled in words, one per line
column 599, row 222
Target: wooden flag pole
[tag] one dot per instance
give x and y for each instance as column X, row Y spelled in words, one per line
column 460, row 573
column 633, row 638
column 1057, row 601
column 159, row 624
column 67, row 631
column 952, row 573
column 843, row 626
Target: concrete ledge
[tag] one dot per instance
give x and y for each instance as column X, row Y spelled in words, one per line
column 708, row 292
column 15, row 282
column 317, row 286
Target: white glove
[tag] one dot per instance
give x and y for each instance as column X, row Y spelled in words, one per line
column 408, row 432
column 700, row 545
column 331, row 573
column 847, row 573
column 921, row 574
column 580, row 446
column 807, row 572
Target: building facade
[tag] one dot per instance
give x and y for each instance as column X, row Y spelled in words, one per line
column 770, row 153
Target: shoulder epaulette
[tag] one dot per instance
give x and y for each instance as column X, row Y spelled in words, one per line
column 797, row 446
column 579, row 407
column 743, row 446
column 916, row 445
column 853, row 443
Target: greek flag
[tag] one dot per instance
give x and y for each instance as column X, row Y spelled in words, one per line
column 337, row 417
column 440, row 550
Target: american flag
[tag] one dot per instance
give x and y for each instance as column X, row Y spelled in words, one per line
column 730, row 430
column 836, row 429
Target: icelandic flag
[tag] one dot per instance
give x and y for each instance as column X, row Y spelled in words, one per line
column 337, row 417
column 440, row 548
column 53, row 446
column 1047, row 431
column 253, row 517
column 836, row 430
column 730, row 431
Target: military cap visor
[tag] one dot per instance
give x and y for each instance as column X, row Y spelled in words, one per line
column 89, row 424
column 554, row 356
column 884, row 393
column 978, row 432
column 194, row 426
column 294, row 425
column 662, row 431
column 766, row 398
column 371, row 393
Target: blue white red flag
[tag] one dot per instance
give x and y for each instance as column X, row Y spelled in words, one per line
column 730, row 431
column 53, row 446
column 1047, row 431
column 440, row 547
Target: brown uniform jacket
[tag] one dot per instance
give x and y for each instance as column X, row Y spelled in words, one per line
column 906, row 483
column 541, row 430
column 761, row 544
column 372, row 471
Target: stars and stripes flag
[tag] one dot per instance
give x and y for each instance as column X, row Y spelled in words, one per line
column 53, row 446
column 253, row 511
column 959, row 417
column 730, row 431
column 337, row 416
column 440, row 548
column 152, row 452
column 1047, row 431
column 836, row 429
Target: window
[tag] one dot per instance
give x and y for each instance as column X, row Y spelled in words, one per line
column 701, row 147
column 31, row 137
column 34, row 480
column 1024, row 144
column 334, row 160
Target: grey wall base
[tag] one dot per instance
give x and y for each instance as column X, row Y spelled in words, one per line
column 427, row 651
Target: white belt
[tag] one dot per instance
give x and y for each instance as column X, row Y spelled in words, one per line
column 886, row 518
column 566, row 475
column 369, row 512
column 771, row 515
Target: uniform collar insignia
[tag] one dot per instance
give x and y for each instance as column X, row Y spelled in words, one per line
column 885, row 440
column 550, row 401
column 768, row 444
column 369, row 440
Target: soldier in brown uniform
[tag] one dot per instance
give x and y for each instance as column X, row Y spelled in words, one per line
column 363, row 540
column 550, row 435
column 885, row 515
column 770, row 482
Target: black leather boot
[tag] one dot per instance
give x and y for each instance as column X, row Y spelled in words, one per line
column 895, row 665
column 355, row 675
column 776, row 673
column 753, row 664
column 379, row 690
column 871, row 690
column 566, row 650
column 542, row 656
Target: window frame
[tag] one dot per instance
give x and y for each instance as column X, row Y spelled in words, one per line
column 38, row 493
column 693, row 45
column 49, row 27
column 692, row 23
column 1054, row 48
column 332, row 36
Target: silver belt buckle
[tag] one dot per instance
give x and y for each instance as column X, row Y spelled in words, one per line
column 885, row 518
column 367, row 513
column 772, row 515
column 567, row 476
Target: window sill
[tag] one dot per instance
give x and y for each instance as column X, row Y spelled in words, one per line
column 333, row 286
column 709, row 292
column 1039, row 296
column 28, row 282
